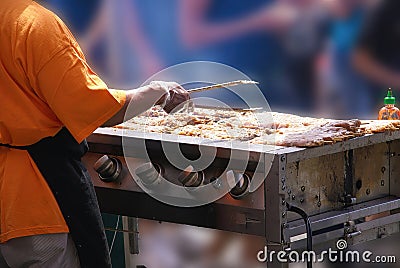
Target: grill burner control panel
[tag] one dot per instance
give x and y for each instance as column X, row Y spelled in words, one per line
column 109, row 169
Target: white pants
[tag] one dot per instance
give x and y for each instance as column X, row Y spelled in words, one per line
column 50, row 250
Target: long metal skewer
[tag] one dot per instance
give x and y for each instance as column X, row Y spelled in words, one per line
column 222, row 85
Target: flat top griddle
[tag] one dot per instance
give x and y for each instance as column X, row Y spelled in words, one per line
column 114, row 136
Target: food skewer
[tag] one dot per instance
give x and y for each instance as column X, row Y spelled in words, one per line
column 222, row 85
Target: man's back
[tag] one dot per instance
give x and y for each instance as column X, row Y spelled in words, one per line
column 24, row 119
column 45, row 85
column 29, row 71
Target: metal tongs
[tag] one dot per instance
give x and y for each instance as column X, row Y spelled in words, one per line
column 189, row 106
column 222, row 85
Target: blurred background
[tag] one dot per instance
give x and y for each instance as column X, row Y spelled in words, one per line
column 306, row 54
column 325, row 58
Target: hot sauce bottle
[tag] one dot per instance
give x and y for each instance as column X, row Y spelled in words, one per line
column 389, row 111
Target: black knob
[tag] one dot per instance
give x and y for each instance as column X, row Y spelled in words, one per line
column 109, row 168
column 241, row 188
column 149, row 173
column 190, row 178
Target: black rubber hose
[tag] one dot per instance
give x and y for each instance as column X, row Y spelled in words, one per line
column 307, row 222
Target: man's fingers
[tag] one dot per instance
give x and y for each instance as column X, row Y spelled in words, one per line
column 176, row 95
column 177, row 88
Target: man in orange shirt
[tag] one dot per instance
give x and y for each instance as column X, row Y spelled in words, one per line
column 50, row 102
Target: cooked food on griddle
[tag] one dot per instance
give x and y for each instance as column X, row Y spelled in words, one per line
column 257, row 127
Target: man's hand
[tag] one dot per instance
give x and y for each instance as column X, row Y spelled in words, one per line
column 167, row 94
column 175, row 95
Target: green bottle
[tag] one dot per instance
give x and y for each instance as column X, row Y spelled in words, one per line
column 389, row 111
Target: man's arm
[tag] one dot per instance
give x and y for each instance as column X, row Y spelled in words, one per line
column 141, row 99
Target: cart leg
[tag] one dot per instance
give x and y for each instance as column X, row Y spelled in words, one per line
column 131, row 241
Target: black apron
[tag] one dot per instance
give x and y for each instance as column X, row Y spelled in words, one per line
column 59, row 161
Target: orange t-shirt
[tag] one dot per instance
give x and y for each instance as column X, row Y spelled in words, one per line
column 45, row 84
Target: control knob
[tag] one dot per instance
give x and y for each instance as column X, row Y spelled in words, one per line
column 241, row 189
column 190, row 178
column 149, row 173
column 108, row 168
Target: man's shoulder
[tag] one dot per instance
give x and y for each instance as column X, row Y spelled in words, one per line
column 37, row 16
column 39, row 35
column 43, row 30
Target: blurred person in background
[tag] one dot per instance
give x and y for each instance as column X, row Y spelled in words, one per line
column 201, row 26
column 49, row 212
column 377, row 54
column 241, row 34
column 302, row 45
column 275, row 42
column 342, row 91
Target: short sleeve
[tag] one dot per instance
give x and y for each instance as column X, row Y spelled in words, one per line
column 76, row 95
column 60, row 76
